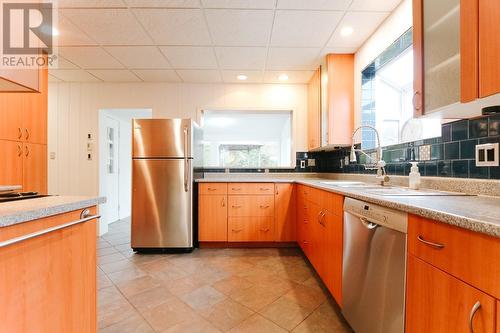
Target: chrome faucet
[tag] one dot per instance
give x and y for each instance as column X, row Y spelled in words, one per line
column 379, row 162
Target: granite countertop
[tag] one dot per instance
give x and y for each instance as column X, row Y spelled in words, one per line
column 20, row 211
column 476, row 213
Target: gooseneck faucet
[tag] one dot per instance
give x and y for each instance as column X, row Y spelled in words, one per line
column 380, row 163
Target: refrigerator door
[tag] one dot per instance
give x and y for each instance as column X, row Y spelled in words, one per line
column 162, row 203
column 162, row 138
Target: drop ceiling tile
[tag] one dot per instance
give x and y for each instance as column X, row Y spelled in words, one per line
column 374, row 5
column 293, row 76
column 73, row 75
column 201, row 76
column 89, row 3
column 157, row 75
column 164, row 3
column 175, row 26
column 186, row 57
column 70, row 34
column 89, row 57
column 339, row 50
column 54, row 79
column 63, row 63
column 230, row 27
column 363, row 24
column 109, row 26
column 230, row 76
column 313, row 31
column 252, row 4
column 139, row 57
column 115, row 75
column 293, row 58
column 315, row 4
column 241, row 57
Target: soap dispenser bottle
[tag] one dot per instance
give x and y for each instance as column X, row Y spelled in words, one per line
column 414, row 176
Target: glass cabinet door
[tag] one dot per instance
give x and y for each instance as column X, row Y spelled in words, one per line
column 441, row 53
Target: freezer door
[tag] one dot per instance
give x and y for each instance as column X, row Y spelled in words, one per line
column 162, row 138
column 161, row 203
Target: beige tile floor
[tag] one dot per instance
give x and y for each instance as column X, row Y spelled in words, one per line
column 209, row 290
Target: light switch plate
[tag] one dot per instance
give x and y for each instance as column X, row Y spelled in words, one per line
column 302, row 164
column 487, row 155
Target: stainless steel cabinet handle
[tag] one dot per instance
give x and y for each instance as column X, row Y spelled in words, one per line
column 186, row 162
column 264, row 230
column 264, row 189
column 85, row 213
column 264, row 207
column 235, row 188
column 20, row 133
column 473, row 311
column 45, row 231
column 321, row 215
column 19, row 150
column 223, row 203
column 236, row 206
column 435, row 245
column 27, row 133
column 212, row 189
column 26, row 151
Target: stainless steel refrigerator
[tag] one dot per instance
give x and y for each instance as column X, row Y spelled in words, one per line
column 163, row 157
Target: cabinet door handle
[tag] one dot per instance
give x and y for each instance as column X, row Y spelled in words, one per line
column 212, row 189
column 434, row 245
column 27, row 133
column 19, row 150
column 236, row 206
column 26, row 151
column 20, row 133
column 264, row 189
column 413, row 101
column 264, row 230
column 236, row 230
column 264, row 207
column 223, row 203
column 236, row 188
column 473, row 311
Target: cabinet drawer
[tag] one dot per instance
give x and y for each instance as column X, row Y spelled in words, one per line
column 250, row 229
column 213, row 188
column 251, row 188
column 326, row 200
column 469, row 256
column 257, row 205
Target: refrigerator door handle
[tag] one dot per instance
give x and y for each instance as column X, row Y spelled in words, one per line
column 186, row 162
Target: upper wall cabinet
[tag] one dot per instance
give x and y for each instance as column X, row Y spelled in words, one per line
column 455, row 43
column 19, row 80
column 331, row 103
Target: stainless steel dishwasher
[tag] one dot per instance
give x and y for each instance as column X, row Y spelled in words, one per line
column 374, row 266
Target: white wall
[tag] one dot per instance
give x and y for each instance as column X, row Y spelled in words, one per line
column 391, row 29
column 73, row 113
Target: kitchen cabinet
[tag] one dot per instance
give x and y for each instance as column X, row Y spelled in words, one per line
column 303, row 225
column 489, row 47
column 455, row 49
column 213, row 218
column 439, row 302
column 11, row 116
column 314, row 111
column 11, row 161
column 250, row 217
column 35, row 110
column 35, row 167
column 19, row 80
column 285, row 212
column 48, row 282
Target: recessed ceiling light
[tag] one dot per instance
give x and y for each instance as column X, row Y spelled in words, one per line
column 346, row 31
column 283, row 77
column 242, row 77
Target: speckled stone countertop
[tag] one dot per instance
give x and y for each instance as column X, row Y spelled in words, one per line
column 20, row 211
column 477, row 213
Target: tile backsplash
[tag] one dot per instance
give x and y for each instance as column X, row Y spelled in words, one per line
column 451, row 155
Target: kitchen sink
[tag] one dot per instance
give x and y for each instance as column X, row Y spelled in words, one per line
column 403, row 191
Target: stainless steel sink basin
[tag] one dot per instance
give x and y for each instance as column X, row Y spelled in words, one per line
column 403, row 191
column 343, row 183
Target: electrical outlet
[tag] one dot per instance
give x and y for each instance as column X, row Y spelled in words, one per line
column 52, row 155
column 303, row 164
column 311, row 162
column 487, row 155
column 424, row 153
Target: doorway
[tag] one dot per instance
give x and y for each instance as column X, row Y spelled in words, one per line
column 115, row 159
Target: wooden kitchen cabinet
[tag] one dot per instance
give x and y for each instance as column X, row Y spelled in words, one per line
column 35, row 168
column 314, row 111
column 439, row 302
column 489, row 47
column 11, row 117
column 48, row 282
column 35, row 112
column 285, row 212
column 212, row 218
column 11, row 162
column 303, row 217
column 332, row 256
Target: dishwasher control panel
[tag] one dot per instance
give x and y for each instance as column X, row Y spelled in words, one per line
column 377, row 214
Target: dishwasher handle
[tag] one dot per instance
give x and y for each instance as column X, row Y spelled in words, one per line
column 369, row 225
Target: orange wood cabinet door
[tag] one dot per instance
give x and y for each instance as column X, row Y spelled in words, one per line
column 11, row 163
column 251, row 229
column 303, row 231
column 35, row 108
column 314, row 111
column 317, row 239
column 48, row 283
column 332, row 254
column 498, row 316
column 35, row 167
column 489, row 47
column 340, row 68
column 418, row 58
column 438, row 302
column 213, row 188
column 285, row 212
column 212, row 226
column 469, row 44
column 11, row 116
